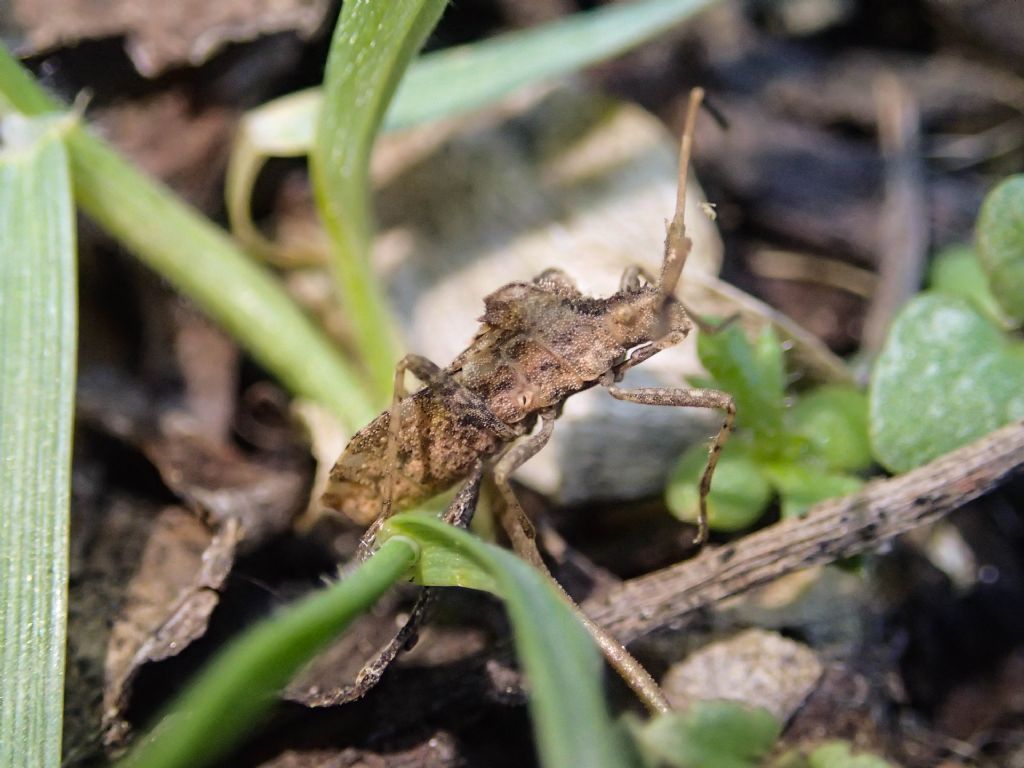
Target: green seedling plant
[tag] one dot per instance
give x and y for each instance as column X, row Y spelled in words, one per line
column 951, row 370
column 952, row 367
column 725, row 734
column 801, row 448
column 832, row 754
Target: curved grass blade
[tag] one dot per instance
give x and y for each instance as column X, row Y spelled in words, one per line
column 241, row 683
column 468, row 76
column 37, row 385
column 450, row 82
column 371, row 47
column 570, row 718
column 202, row 261
column 455, row 80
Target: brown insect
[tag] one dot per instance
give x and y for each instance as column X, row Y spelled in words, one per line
column 538, row 344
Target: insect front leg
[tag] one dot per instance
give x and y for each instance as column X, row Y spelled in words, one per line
column 523, row 537
column 459, row 513
column 690, row 398
column 630, row 281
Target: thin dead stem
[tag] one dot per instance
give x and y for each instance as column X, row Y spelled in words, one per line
column 830, row 531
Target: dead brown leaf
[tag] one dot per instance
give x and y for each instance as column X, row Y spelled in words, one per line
column 218, row 481
column 162, row 35
column 167, row 606
column 439, row 751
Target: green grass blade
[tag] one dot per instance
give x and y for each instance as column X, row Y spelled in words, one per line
column 37, row 384
column 454, row 81
column 240, row 684
column 469, row 76
column 370, row 50
column 570, row 718
column 201, row 261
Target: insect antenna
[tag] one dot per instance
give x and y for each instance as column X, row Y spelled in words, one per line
column 677, row 244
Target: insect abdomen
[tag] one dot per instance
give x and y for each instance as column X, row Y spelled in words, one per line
column 437, row 446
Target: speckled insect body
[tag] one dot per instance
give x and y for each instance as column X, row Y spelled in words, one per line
column 538, row 343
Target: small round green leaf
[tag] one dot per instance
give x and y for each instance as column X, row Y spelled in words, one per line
column 739, row 491
column 837, row 754
column 752, row 373
column 1000, row 237
column 834, row 422
column 945, row 376
column 803, row 485
column 956, row 271
column 723, row 734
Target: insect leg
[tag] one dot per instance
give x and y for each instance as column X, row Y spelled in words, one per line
column 424, row 370
column 630, row 281
column 523, row 537
column 460, row 510
column 459, row 513
column 691, row 398
column 517, row 525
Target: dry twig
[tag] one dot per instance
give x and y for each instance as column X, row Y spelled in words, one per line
column 830, row 531
column 903, row 230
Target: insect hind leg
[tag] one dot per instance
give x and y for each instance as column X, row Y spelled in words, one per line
column 459, row 513
column 523, row 537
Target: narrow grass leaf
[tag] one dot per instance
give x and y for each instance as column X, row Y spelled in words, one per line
column 469, row 76
column 570, row 718
column 240, row 684
column 201, row 261
column 453, row 81
column 37, row 384
column 372, row 45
